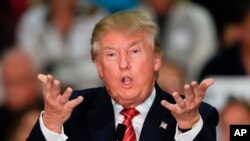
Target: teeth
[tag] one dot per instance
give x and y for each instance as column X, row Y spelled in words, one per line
column 126, row 80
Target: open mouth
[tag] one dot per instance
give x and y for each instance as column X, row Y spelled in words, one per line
column 127, row 81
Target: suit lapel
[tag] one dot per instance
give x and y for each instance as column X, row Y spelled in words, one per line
column 159, row 123
column 101, row 123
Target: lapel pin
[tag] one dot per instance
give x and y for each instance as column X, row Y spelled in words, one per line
column 163, row 125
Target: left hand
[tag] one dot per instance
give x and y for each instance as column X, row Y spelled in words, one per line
column 186, row 111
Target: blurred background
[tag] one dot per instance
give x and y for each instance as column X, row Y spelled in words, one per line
column 199, row 39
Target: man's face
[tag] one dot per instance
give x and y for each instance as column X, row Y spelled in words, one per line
column 161, row 7
column 127, row 65
column 20, row 84
column 227, row 118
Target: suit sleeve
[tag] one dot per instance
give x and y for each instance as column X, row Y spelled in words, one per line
column 36, row 133
column 211, row 118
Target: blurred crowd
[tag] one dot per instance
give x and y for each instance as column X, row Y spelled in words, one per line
column 199, row 39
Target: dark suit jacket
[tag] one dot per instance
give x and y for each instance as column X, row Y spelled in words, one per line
column 93, row 120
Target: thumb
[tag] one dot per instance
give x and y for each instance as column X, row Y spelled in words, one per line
column 73, row 103
column 205, row 84
column 42, row 78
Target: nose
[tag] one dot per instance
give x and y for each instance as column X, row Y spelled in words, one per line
column 124, row 62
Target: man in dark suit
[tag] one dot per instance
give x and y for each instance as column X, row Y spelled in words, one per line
column 21, row 91
column 127, row 57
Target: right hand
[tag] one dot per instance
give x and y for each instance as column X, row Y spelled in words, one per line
column 57, row 107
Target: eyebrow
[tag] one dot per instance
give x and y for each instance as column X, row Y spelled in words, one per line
column 129, row 46
column 135, row 43
column 108, row 47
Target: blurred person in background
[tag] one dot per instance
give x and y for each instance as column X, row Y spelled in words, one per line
column 225, row 13
column 235, row 112
column 233, row 61
column 21, row 89
column 113, row 6
column 24, row 125
column 6, row 26
column 171, row 78
column 11, row 12
column 187, row 34
column 57, row 34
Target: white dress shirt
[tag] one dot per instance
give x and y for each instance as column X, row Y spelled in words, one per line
column 137, row 122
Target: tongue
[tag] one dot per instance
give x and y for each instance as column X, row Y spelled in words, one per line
column 126, row 80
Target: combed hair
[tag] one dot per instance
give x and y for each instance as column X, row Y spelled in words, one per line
column 128, row 22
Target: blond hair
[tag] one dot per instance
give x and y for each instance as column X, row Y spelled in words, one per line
column 128, row 22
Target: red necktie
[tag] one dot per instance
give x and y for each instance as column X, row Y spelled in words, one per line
column 129, row 114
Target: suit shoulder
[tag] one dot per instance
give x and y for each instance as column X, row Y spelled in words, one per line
column 86, row 93
column 209, row 113
column 90, row 96
column 205, row 107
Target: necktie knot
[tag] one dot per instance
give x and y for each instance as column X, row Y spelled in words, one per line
column 129, row 113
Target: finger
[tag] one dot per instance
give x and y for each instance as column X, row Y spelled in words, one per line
column 189, row 93
column 75, row 102
column 195, row 87
column 168, row 105
column 49, row 84
column 42, row 78
column 65, row 97
column 56, row 88
column 204, row 85
column 179, row 101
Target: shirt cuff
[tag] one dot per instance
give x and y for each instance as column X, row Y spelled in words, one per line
column 50, row 135
column 191, row 134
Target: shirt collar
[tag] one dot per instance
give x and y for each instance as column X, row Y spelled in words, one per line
column 143, row 108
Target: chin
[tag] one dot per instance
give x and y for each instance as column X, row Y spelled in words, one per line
column 129, row 102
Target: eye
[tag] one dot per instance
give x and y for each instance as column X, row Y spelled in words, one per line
column 134, row 51
column 111, row 54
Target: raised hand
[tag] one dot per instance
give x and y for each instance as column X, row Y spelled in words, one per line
column 57, row 106
column 186, row 110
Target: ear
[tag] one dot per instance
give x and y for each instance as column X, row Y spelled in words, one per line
column 157, row 60
column 98, row 64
